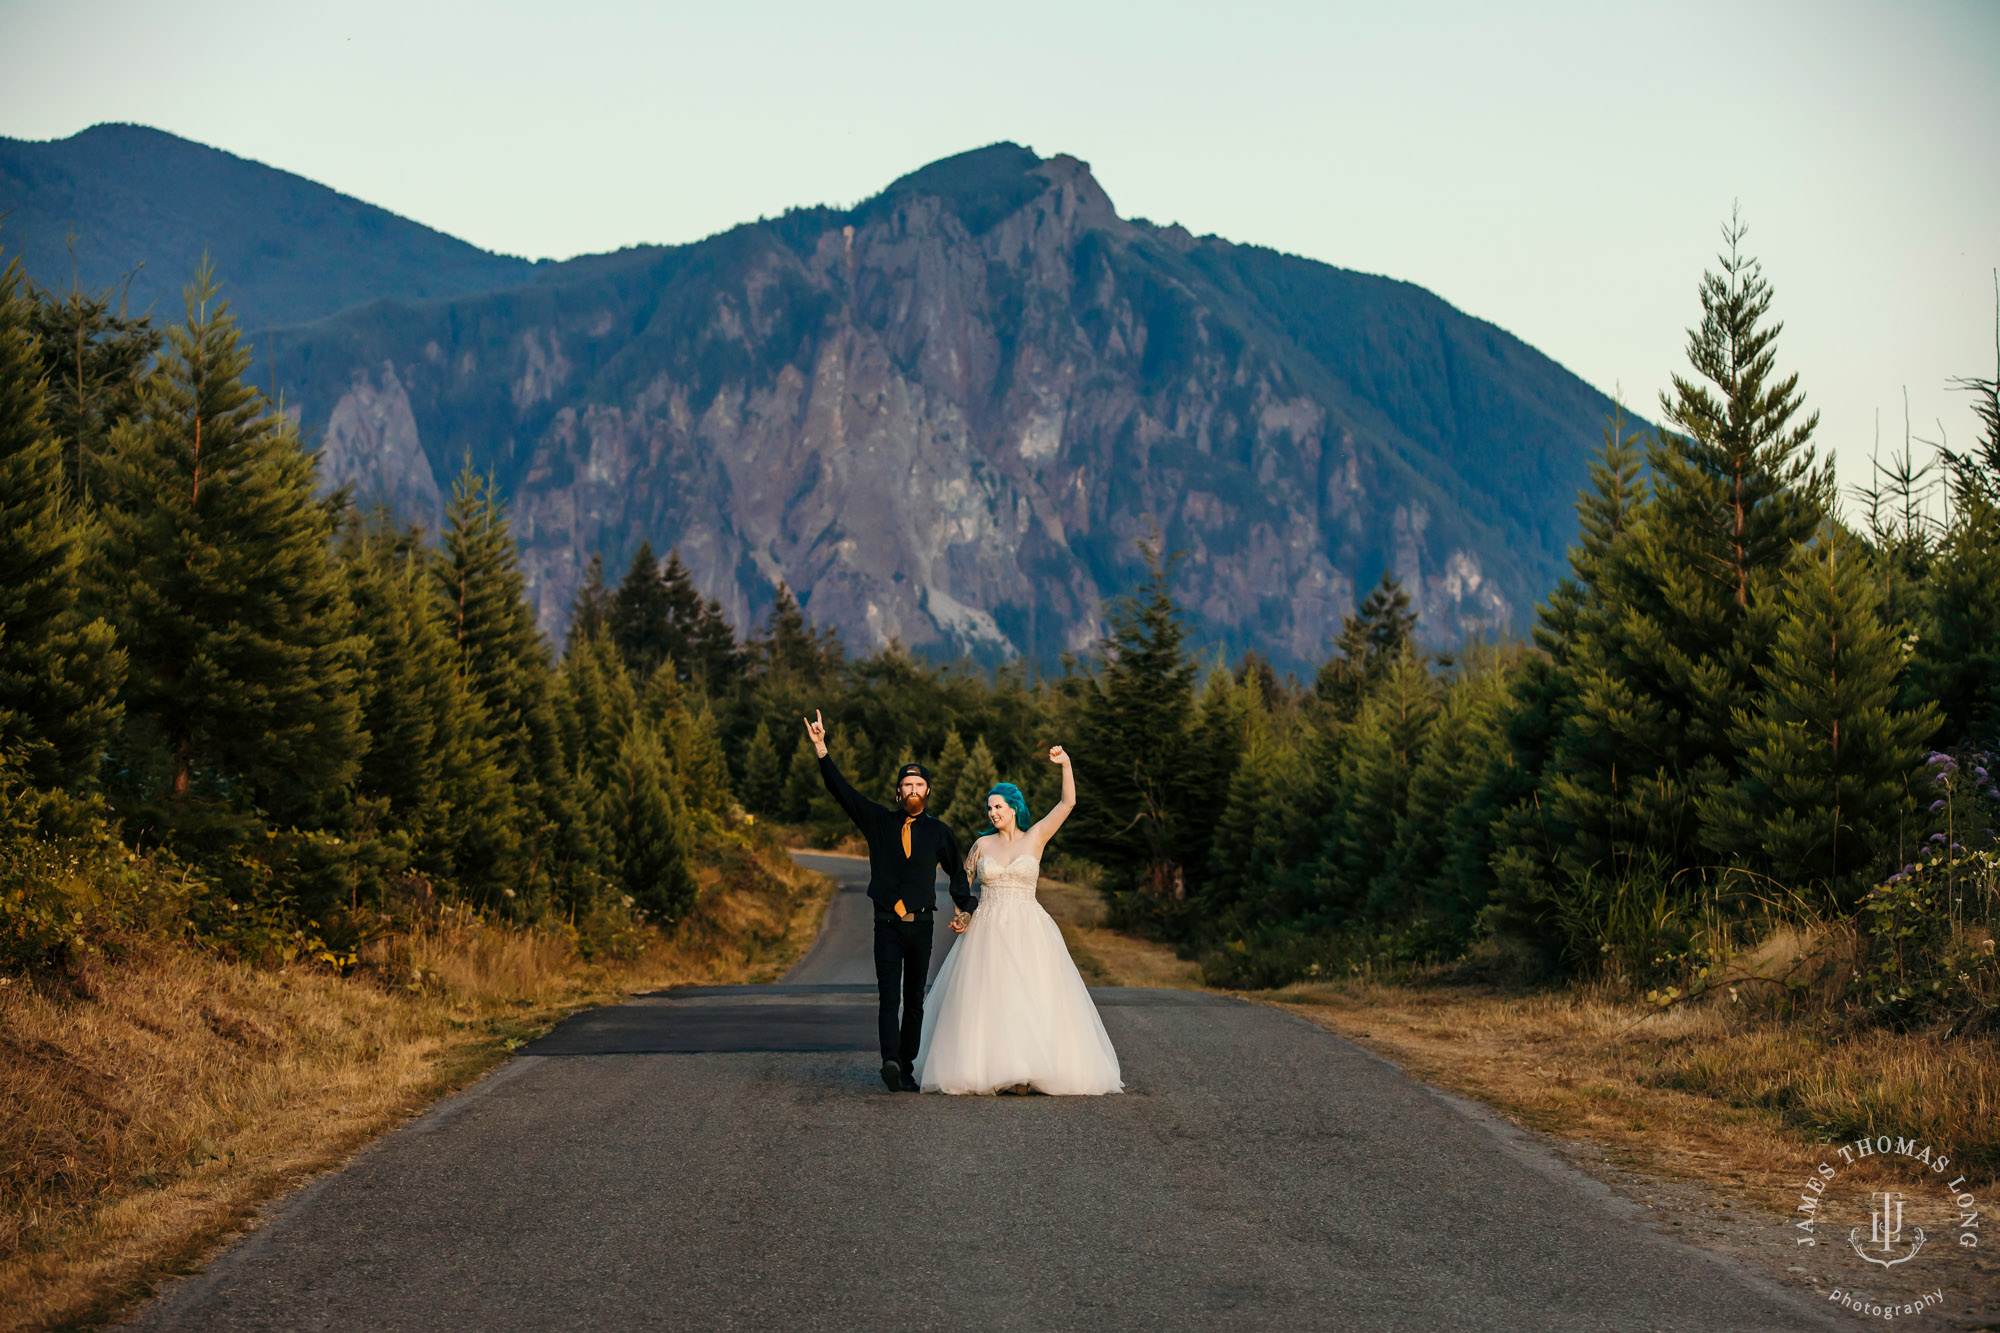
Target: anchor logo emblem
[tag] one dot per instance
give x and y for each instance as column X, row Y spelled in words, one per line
column 1885, row 1228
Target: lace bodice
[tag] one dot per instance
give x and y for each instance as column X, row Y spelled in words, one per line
column 1009, row 879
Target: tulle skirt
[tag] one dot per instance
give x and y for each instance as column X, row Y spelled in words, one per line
column 1009, row 1007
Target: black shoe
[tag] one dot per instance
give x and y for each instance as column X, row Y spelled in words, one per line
column 892, row 1076
column 909, row 1084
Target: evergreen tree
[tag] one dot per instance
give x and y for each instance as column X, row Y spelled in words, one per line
column 1957, row 661
column 641, row 615
column 712, row 655
column 505, row 662
column 59, row 674
column 590, row 612
column 217, row 564
column 650, row 841
column 1369, row 644
column 1376, row 764
column 802, row 785
column 94, row 360
column 1827, row 754
column 1237, row 845
column 763, row 775
column 1134, row 723
column 431, row 764
column 948, row 782
column 975, row 782
column 1437, row 873
column 687, row 730
column 789, row 649
column 1680, row 607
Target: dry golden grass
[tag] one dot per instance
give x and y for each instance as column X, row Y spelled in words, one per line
column 144, row 1117
column 1706, row 1092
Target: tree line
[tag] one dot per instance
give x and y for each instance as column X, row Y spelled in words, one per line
column 1737, row 706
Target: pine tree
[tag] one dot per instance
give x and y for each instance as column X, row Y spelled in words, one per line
column 947, row 784
column 1679, row 608
column 94, row 360
column 59, row 674
column 651, row 842
column 590, row 611
column 687, row 730
column 1437, row 871
column 217, row 565
column 1134, row 725
column 1370, row 641
column 1827, row 754
column 431, row 762
column 505, row 662
column 789, row 649
column 1378, row 761
column 763, row 776
column 1957, row 661
column 802, row 784
column 1246, row 801
column 976, row 781
column 640, row 617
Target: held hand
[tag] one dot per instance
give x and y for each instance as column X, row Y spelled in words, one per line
column 1057, row 755
column 816, row 732
column 959, row 921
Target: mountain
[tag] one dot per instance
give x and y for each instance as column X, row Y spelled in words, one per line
column 943, row 417
column 291, row 250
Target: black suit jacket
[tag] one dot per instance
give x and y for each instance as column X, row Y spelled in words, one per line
column 892, row 875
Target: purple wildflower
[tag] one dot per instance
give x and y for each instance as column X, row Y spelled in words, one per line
column 1936, row 806
column 1937, row 837
column 1893, row 878
column 1979, row 773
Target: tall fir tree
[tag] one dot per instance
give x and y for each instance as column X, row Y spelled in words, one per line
column 1133, row 725
column 59, row 673
column 975, row 782
column 217, row 567
column 1957, row 659
column 1827, row 754
column 763, row 778
column 651, row 850
column 1376, row 765
column 947, row 783
column 1685, row 601
column 590, row 609
column 431, row 761
column 94, row 359
column 1370, row 641
column 640, row 617
column 505, row 661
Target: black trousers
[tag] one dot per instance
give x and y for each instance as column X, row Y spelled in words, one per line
column 902, row 966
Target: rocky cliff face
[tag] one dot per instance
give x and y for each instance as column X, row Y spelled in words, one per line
column 948, row 416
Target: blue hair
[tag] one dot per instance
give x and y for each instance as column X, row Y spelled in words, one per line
column 1011, row 794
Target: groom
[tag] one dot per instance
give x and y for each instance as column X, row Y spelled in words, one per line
column 905, row 847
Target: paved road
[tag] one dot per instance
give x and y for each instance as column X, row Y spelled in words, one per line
column 726, row 1158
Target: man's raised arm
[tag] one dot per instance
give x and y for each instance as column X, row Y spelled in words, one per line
column 858, row 807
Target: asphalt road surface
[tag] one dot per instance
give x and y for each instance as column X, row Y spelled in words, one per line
column 727, row 1158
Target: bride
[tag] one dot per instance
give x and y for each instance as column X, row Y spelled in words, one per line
column 1009, row 1010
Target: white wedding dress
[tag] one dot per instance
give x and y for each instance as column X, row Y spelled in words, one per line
column 1008, row 1006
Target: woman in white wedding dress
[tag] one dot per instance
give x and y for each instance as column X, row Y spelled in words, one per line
column 1009, row 1011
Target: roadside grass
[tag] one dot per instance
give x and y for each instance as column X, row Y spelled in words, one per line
column 149, row 1107
column 1714, row 1091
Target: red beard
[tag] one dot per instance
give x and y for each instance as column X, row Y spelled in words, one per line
column 913, row 804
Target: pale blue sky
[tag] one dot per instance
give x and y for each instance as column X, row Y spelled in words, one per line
column 1559, row 169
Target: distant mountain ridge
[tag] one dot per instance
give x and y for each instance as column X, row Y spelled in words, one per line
column 143, row 202
column 945, row 416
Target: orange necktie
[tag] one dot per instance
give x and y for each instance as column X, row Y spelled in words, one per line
column 900, row 910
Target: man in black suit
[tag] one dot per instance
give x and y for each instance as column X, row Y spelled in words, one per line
column 905, row 848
